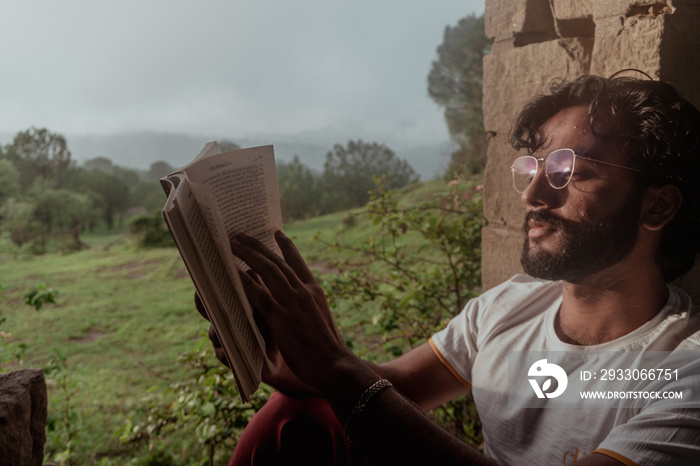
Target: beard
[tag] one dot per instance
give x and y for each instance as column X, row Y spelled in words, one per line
column 585, row 248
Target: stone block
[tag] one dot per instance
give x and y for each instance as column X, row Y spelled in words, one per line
column 514, row 76
column 504, row 19
column 573, row 19
column 502, row 204
column 566, row 9
column 622, row 43
column 665, row 46
column 500, row 258
column 23, row 410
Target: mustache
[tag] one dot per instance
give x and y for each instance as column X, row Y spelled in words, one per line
column 543, row 216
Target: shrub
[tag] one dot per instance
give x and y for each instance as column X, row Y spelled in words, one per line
column 150, row 231
column 414, row 275
column 207, row 399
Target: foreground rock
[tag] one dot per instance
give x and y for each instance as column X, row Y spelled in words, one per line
column 23, row 404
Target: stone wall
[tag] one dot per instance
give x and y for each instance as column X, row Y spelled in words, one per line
column 536, row 41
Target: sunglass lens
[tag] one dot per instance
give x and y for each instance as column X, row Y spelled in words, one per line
column 524, row 170
column 559, row 166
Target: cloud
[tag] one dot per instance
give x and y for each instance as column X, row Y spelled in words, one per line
column 224, row 67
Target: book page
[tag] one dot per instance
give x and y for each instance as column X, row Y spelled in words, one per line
column 243, row 186
column 252, row 342
column 212, row 279
column 237, row 192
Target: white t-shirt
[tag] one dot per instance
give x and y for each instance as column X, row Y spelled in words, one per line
column 518, row 315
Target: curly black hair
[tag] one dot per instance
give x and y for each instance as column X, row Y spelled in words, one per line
column 657, row 129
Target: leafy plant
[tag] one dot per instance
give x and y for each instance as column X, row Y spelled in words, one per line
column 408, row 280
column 39, row 295
column 207, row 398
column 151, row 231
column 12, row 352
column 63, row 425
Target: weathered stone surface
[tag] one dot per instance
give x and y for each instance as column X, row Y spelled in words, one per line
column 504, row 209
column 500, row 259
column 637, row 8
column 23, row 409
column 566, row 9
column 505, row 19
column 573, row 19
column 622, row 43
column 513, row 77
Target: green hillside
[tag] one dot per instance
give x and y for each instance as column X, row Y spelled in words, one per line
column 122, row 316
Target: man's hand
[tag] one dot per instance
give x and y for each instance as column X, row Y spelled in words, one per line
column 284, row 380
column 391, row 430
column 285, row 293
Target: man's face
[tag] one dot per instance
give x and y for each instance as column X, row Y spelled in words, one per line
column 591, row 224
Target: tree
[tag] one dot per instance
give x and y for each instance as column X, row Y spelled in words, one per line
column 102, row 164
column 18, row 221
column 150, row 196
column 61, row 212
column 298, row 189
column 349, row 173
column 111, row 194
column 38, row 153
column 158, row 170
column 9, row 180
column 128, row 176
column 44, row 212
column 455, row 83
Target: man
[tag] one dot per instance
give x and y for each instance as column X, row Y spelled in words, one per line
column 610, row 183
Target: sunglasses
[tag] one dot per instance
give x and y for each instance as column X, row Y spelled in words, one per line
column 558, row 168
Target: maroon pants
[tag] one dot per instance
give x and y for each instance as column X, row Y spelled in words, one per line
column 290, row 430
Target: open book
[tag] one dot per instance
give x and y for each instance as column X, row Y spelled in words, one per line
column 210, row 200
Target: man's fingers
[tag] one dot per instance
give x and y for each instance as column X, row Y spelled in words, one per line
column 257, row 294
column 200, row 305
column 218, row 349
column 273, row 270
column 213, row 337
column 293, row 258
column 256, row 278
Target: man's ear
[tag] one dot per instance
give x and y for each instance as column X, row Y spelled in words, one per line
column 660, row 205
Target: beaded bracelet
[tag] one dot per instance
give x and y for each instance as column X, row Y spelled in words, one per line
column 366, row 396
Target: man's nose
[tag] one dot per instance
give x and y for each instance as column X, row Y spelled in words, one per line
column 539, row 193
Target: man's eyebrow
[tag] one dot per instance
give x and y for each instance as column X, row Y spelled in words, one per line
column 589, row 154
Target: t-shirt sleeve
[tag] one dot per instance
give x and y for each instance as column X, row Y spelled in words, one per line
column 457, row 344
column 665, row 429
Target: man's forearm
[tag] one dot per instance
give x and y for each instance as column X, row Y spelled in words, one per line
column 389, row 429
column 421, row 376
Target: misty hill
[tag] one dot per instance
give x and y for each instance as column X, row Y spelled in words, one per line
column 140, row 149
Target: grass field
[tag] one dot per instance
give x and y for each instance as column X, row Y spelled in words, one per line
column 121, row 318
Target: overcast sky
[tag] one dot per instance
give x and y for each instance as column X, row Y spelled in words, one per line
column 225, row 67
